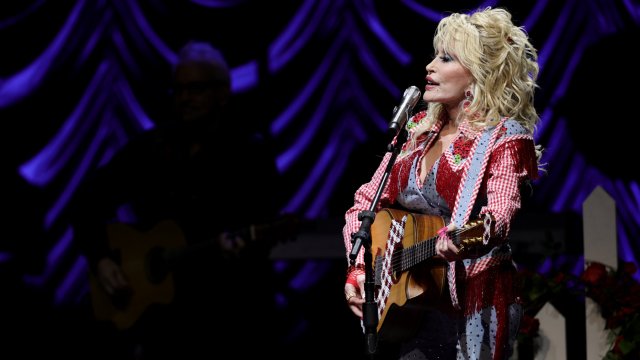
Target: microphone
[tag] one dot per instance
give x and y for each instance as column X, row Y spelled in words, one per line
column 401, row 114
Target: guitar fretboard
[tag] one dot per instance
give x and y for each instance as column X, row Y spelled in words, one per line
column 405, row 258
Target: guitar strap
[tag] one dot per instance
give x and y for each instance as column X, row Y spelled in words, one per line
column 396, row 233
column 468, row 191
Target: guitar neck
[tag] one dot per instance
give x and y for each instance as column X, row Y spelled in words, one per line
column 405, row 258
column 415, row 254
column 174, row 256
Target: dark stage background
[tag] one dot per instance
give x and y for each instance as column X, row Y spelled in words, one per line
column 79, row 77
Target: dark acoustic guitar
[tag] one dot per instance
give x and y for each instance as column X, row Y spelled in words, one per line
column 147, row 258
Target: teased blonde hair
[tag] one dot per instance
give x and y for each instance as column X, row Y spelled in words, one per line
column 501, row 60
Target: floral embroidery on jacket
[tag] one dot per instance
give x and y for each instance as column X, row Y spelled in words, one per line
column 415, row 119
column 461, row 149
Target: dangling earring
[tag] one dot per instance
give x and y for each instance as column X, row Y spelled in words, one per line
column 468, row 98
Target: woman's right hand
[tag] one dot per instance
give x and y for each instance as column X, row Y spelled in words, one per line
column 354, row 291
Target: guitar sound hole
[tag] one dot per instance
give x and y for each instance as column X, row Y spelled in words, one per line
column 156, row 267
column 120, row 299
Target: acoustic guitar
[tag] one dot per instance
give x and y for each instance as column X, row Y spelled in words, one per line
column 148, row 257
column 407, row 270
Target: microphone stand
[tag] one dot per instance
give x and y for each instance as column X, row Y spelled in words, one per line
column 363, row 238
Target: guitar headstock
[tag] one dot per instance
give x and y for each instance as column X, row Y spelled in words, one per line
column 469, row 236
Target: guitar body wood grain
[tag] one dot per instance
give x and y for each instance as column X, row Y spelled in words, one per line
column 419, row 284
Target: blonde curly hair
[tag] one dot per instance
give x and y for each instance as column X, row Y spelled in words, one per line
column 501, row 60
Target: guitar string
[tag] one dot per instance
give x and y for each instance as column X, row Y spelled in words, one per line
column 419, row 246
column 429, row 244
